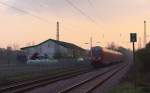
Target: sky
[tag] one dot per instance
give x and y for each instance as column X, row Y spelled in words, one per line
column 27, row 22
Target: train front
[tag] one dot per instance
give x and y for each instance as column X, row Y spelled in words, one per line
column 96, row 56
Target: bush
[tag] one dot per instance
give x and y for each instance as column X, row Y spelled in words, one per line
column 143, row 56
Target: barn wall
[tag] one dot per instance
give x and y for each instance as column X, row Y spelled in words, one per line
column 53, row 50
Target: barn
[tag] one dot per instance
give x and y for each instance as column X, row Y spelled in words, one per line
column 53, row 49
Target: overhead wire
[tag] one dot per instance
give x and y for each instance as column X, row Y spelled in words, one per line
column 80, row 11
column 24, row 11
column 90, row 3
column 64, row 27
column 43, row 5
column 42, row 19
column 84, row 14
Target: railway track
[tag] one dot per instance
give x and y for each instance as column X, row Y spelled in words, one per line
column 21, row 87
column 89, row 85
column 27, row 86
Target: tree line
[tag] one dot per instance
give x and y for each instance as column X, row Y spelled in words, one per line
column 143, row 58
column 143, row 64
column 10, row 56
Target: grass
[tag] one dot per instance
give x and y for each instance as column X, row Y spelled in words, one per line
column 129, row 88
column 10, row 73
column 127, row 85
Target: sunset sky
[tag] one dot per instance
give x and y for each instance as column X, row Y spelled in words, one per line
column 23, row 22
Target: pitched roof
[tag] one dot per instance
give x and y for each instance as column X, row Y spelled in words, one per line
column 65, row 44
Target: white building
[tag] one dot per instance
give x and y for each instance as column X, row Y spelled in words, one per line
column 50, row 49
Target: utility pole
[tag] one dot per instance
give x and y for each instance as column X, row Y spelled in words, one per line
column 57, row 34
column 145, row 34
column 91, row 42
column 135, row 67
column 91, row 45
column 57, row 49
column 139, row 43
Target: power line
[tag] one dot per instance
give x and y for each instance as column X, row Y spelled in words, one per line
column 83, row 13
column 42, row 19
column 90, row 3
column 80, row 11
column 23, row 11
column 46, row 4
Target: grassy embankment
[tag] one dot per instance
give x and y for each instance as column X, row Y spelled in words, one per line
column 142, row 76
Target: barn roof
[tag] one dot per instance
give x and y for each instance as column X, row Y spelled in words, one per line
column 62, row 43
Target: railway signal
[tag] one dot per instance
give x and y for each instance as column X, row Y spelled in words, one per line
column 133, row 39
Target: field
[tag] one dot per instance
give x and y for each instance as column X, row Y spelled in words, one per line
column 17, row 72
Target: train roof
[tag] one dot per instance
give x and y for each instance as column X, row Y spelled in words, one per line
column 111, row 51
column 97, row 47
column 107, row 50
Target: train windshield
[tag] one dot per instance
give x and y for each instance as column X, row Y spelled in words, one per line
column 96, row 52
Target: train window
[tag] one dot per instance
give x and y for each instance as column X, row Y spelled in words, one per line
column 96, row 52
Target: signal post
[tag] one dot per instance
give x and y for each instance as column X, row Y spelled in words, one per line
column 133, row 39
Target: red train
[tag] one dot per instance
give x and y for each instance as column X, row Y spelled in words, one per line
column 102, row 56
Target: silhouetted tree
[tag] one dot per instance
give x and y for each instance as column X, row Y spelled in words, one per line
column 144, row 57
column 9, row 56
